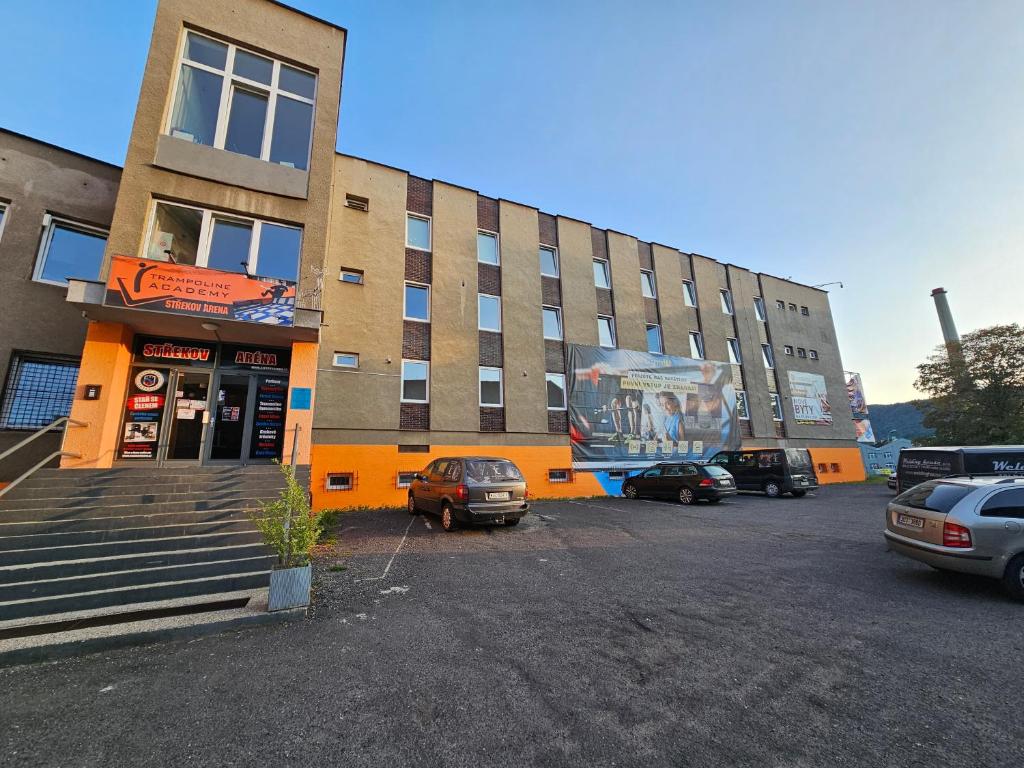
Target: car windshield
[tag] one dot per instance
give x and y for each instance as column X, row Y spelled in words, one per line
column 798, row 459
column 714, row 471
column 484, row 471
column 934, row 496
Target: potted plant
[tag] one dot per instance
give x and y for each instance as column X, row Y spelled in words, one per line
column 291, row 529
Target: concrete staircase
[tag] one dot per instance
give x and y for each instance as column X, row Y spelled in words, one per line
column 83, row 549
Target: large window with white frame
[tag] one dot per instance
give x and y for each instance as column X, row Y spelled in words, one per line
column 647, row 286
column 742, row 407
column 230, row 98
column 3, row 217
column 735, row 357
column 601, row 277
column 489, row 312
column 416, row 304
column 552, row 317
column 759, row 312
column 491, row 394
column 548, row 261
column 415, row 381
column 768, row 356
column 200, row 237
column 696, row 345
column 417, row 232
column 726, row 296
column 606, row 331
column 689, row 293
column 776, row 407
column 555, row 383
column 487, row 251
column 654, row 345
column 69, row 249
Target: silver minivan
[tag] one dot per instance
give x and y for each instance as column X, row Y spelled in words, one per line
column 964, row 523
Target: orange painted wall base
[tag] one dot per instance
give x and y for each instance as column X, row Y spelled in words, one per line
column 838, row 465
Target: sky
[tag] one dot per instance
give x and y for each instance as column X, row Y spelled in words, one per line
column 873, row 143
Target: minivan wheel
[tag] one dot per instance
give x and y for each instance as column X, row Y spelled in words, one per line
column 448, row 521
column 685, row 495
column 412, row 505
column 1013, row 579
column 772, row 489
column 629, row 491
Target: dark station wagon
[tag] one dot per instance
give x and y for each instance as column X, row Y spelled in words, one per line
column 684, row 480
column 470, row 490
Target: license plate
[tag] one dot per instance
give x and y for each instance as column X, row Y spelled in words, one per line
column 502, row 496
column 803, row 482
column 910, row 522
column 500, row 520
column 725, row 483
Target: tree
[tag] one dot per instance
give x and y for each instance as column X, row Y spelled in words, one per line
column 977, row 390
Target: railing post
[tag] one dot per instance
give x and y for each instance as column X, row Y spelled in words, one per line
column 288, row 519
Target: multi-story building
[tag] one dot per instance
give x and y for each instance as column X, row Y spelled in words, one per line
column 262, row 296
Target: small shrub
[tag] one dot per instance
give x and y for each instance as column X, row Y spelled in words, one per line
column 287, row 524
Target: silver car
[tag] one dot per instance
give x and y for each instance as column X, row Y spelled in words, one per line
column 968, row 524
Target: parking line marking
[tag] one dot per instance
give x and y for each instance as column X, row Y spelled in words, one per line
column 393, row 556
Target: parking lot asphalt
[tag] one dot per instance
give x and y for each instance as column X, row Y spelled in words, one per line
column 757, row 632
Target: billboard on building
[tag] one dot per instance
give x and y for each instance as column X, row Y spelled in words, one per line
column 810, row 398
column 186, row 290
column 855, row 391
column 629, row 409
column 865, row 434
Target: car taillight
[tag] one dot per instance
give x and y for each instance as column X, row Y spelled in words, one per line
column 706, row 482
column 526, row 493
column 954, row 535
column 462, row 492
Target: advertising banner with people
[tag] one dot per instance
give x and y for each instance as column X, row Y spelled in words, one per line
column 630, row 409
column 865, row 434
column 855, row 391
column 182, row 289
column 810, row 399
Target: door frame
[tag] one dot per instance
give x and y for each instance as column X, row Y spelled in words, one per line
column 174, row 375
column 250, row 403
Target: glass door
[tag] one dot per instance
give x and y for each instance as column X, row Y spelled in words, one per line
column 231, row 425
column 187, row 415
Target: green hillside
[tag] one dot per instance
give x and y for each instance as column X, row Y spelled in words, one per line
column 903, row 418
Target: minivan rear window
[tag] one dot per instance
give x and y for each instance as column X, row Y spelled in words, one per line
column 484, row 471
column 934, row 495
column 798, row 458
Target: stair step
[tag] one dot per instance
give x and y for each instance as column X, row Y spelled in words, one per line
column 127, row 490
column 97, row 510
column 46, row 552
column 113, row 522
column 48, row 537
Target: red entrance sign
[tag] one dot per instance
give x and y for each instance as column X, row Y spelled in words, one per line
column 145, row 402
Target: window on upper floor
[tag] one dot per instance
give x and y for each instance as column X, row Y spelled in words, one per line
column 787, row 350
column 552, row 317
column 555, row 383
column 792, row 307
column 354, row 276
column 3, row 218
column 780, row 304
column 417, row 232
column 489, row 312
column 805, row 311
column 768, row 355
column 689, row 293
column 606, row 331
column 813, row 354
column 346, row 360
column 654, row 345
column 759, row 312
column 776, row 407
column 801, row 352
column 734, row 351
column 199, row 237
column 726, row 296
column 415, row 381
column 491, row 395
column 548, row 261
column 647, row 287
column 601, row 279
column 69, row 250
column 696, row 345
column 742, row 409
column 417, row 302
column 230, row 98
column 39, row 389
column 487, row 248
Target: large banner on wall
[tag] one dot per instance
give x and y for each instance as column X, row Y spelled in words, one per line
column 855, row 391
column 185, row 290
column 629, row 409
column 810, row 398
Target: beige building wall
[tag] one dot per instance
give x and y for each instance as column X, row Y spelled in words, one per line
column 576, row 265
column 624, row 261
column 676, row 318
column 709, row 278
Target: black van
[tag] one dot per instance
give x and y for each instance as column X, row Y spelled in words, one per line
column 919, row 464
column 772, row 470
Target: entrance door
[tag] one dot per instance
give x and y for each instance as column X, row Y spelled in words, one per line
column 231, row 423
column 187, row 415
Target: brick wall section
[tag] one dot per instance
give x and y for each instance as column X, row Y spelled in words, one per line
column 604, row 302
column 558, row 421
column 489, row 278
column 418, row 265
column 491, row 349
column 554, row 356
column 548, row 226
column 551, row 291
column 492, row 419
column 599, row 243
column 414, row 416
column 487, row 213
column 646, row 257
column 745, row 429
column 780, row 429
column 651, row 310
column 419, row 196
column 415, row 340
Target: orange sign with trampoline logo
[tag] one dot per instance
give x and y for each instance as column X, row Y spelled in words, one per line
column 186, row 290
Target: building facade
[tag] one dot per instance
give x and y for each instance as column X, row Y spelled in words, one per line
column 262, row 297
column 881, row 458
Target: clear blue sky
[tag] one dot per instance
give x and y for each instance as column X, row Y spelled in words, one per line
column 876, row 143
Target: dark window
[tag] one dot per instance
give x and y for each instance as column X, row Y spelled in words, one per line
column 805, row 311
column 491, row 471
column 689, row 469
column 673, row 471
column 454, row 472
column 714, row 471
column 1008, row 503
column 934, row 495
column 798, row 458
column 653, row 472
column 39, row 389
column 414, row 449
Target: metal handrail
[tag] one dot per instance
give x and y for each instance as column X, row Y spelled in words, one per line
column 63, row 421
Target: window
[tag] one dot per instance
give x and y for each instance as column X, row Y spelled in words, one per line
column 776, row 407
column 801, row 352
column 417, row 232
column 813, row 354
column 768, row 355
column 1007, row 503
column 357, row 203
column 415, row 381
column 552, row 323
column 417, row 302
column 407, row 448
column 354, row 276
column 654, row 339
column 805, row 311
column 39, row 389
column 689, row 293
column 3, row 217
column 183, row 234
column 487, row 248
column 601, row 274
column 490, row 312
column 405, row 479
column 696, row 345
column 647, row 284
column 606, row 331
column 490, row 387
column 787, row 350
column 340, row 481
column 229, row 98
column 726, row 301
column 759, row 308
column 559, row 476
column 555, row 383
column 617, row 474
column 69, row 250
column 742, row 409
column 792, row 307
column 548, row 261
column 734, row 351
column 346, row 360
column 780, row 304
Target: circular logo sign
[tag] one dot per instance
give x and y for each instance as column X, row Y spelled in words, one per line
column 149, row 380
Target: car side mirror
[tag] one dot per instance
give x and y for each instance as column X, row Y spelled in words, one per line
column 420, row 476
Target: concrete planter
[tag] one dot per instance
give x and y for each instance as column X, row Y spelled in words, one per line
column 289, row 588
